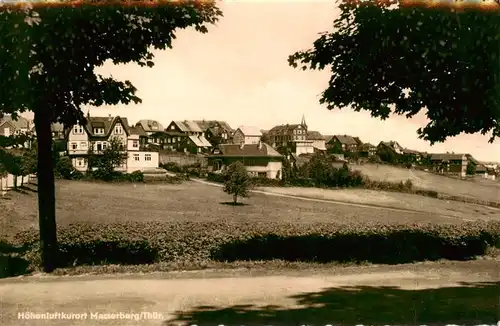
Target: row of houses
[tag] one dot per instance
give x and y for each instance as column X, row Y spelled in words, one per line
column 260, row 150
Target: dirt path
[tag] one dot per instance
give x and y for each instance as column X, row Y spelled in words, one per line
column 397, row 202
column 448, row 292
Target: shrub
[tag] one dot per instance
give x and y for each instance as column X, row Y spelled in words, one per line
column 215, row 177
column 172, row 167
column 147, row 242
column 136, row 176
column 64, row 168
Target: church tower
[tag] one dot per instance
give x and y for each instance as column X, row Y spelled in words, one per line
column 303, row 122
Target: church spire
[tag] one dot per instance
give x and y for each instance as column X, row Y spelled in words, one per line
column 303, row 122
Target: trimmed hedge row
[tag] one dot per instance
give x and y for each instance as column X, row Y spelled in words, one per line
column 223, row 240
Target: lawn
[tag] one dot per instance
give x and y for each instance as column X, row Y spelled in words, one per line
column 99, row 202
column 483, row 190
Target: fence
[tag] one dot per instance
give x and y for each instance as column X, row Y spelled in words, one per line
column 7, row 182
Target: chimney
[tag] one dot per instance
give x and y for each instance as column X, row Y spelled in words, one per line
column 109, row 117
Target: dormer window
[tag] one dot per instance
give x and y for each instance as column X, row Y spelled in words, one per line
column 99, row 131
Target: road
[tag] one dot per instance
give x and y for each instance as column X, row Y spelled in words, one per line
column 430, row 293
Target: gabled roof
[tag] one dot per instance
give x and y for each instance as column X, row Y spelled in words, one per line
column 204, row 125
column 150, row 125
column 20, row 123
column 250, row 131
column 138, row 131
column 188, row 126
column 200, row 141
column 248, row 150
column 284, row 128
column 314, row 135
column 346, row 140
column 104, row 122
column 447, row 156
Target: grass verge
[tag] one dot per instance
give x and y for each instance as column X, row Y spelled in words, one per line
column 198, row 245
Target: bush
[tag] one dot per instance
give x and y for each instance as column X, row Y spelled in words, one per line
column 221, row 240
column 64, row 168
column 215, row 177
column 172, row 167
column 136, row 176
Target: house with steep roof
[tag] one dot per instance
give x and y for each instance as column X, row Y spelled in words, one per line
column 10, row 126
column 215, row 131
column 449, row 163
column 140, row 157
column 94, row 137
column 292, row 137
column 149, row 126
column 367, row 150
column 392, row 146
column 345, row 142
column 247, row 135
column 260, row 160
column 318, row 140
column 184, row 136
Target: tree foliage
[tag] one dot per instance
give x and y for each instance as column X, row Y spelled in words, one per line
column 236, row 181
column 443, row 61
column 49, row 53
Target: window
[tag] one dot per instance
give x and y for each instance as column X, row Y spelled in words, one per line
column 118, row 129
column 104, row 145
column 136, row 157
column 135, row 143
column 78, row 129
column 99, row 146
column 79, row 162
column 74, row 145
column 147, row 157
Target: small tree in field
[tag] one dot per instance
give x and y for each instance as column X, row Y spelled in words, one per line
column 236, row 181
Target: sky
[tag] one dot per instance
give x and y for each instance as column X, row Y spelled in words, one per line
column 238, row 72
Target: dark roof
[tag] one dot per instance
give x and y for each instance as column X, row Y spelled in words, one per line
column 20, row 123
column 346, row 140
column 207, row 124
column 284, row 128
column 315, row 135
column 447, row 157
column 150, row 125
column 248, row 150
column 411, row 151
column 367, row 146
column 480, row 168
column 328, row 138
column 138, row 131
column 358, row 140
column 104, row 122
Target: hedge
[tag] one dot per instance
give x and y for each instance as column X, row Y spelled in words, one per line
column 223, row 240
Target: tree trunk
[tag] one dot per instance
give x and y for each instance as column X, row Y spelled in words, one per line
column 46, row 191
column 15, row 181
column 22, row 181
column 235, row 199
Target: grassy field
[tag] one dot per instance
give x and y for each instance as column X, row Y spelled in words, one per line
column 481, row 189
column 100, row 202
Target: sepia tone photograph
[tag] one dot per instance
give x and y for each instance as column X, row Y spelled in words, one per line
column 279, row 162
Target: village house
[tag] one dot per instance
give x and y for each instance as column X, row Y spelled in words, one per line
column 367, row 150
column 260, row 160
column 139, row 157
column 149, row 126
column 449, row 163
column 247, row 135
column 416, row 156
column 94, row 137
column 216, row 132
column 391, row 145
column 184, row 136
column 345, row 142
column 318, row 140
column 11, row 127
column 292, row 137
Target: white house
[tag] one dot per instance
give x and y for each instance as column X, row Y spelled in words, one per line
column 139, row 159
column 94, row 137
column 247, row 135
